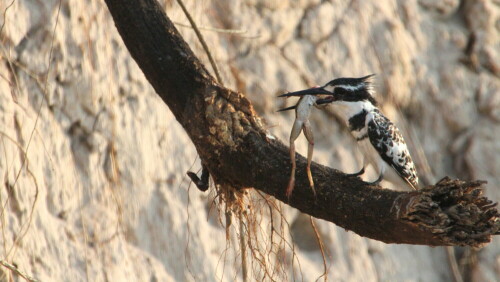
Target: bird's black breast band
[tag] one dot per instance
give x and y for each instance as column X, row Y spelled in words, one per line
column 357, row 122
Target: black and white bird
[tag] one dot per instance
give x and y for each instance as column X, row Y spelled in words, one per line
column 380, row 139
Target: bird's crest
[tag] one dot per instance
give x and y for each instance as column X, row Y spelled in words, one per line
column 352, row 89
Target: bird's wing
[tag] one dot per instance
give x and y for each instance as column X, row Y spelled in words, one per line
column 389, row 143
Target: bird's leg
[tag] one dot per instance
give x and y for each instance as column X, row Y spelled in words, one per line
column 381, row 169
column 297, row 127
column 310, row 138
column 362, row 170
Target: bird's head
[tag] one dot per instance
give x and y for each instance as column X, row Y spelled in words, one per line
column 341, row 89
column 351, row 89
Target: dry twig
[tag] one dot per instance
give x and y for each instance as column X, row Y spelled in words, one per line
column 16, row 270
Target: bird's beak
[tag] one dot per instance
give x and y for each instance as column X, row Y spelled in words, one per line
column 326, row 100
column 310, row 91
column 286, row 109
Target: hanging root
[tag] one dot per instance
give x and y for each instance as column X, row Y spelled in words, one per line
column 454, row 211
column 243, row 249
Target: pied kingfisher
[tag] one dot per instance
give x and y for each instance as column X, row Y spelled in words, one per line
column 376, row 134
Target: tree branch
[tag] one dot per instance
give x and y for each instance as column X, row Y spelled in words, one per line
column 236, row 150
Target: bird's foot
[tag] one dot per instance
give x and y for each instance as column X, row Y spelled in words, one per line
column 376, row 182
column 361, row 172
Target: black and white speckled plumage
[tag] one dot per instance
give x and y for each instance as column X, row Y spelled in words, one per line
column 389, row 143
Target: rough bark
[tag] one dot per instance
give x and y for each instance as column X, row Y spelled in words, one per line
column 236, row 149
